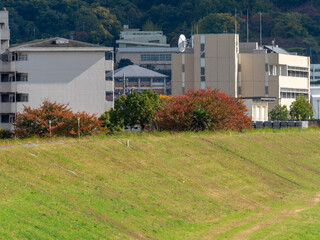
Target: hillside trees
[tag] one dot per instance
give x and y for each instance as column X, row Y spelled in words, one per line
column 217, row 23
column 291, row 23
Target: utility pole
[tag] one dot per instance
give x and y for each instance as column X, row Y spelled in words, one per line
column 247, row 25
column 260, row 30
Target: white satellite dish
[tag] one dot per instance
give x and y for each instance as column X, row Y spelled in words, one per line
column 182, row 43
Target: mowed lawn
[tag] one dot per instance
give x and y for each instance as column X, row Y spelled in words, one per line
column 256, row 185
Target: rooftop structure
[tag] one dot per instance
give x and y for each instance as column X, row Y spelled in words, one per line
column 137, row 38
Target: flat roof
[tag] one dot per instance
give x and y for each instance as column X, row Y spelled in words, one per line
column 149, row 50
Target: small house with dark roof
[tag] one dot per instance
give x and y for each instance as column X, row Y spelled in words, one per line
column 133, row 77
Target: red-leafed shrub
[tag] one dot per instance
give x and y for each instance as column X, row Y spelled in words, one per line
column 203, row 109
column 35, row 122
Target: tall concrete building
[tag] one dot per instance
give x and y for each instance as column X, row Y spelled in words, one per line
column 57, row 69
column 213, row 63
column 241, row 69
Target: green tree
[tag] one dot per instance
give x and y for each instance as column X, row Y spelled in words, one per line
column 140, row 108
column 217, row 23
column 150, row 26
column 124, row 62
column 301, row 109
column 134, row 109
column 279, row 113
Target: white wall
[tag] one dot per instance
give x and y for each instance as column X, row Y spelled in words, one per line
column 77, row 78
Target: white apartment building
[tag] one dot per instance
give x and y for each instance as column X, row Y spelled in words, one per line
column 57, row 69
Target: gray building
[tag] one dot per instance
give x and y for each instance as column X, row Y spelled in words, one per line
column 148, row 49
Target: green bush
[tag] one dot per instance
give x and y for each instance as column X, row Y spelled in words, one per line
column 5, row 134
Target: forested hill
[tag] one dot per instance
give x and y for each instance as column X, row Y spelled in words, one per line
column 294, row 24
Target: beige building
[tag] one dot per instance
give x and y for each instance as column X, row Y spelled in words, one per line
column 213, row 63
column 241, row 69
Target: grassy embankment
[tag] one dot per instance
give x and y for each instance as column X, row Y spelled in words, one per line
column 260, row 185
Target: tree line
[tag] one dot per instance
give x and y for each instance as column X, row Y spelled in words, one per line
column 293, row 24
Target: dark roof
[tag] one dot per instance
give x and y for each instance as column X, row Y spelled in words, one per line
column 275, row 49
column 56, row 42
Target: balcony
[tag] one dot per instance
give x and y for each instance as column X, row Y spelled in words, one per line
column 7, row 107
column 5, row 34
column 108, row 65
column 7, row 86
column 7, row 66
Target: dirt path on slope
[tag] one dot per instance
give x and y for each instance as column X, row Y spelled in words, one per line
column 277, row 218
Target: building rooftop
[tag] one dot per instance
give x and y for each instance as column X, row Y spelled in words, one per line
column 148, row 50
column 275, row 49
column 56, row 43
column 134, row 71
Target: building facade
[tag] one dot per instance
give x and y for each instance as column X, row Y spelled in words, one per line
column 213, row 62
column 56, row 69
column 314, row 74
column 315, row 100
column 147, row 49
column 241, row 69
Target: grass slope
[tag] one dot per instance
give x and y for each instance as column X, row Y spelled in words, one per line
column 182, row 186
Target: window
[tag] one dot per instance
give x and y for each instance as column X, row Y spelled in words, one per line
column 108, row 56
column 22, row 77
column 22, row 97
column 203, row 85
column 145, row 80
column 155, row 57
column 203, row 39
column 5, row 118
column 203, row 70
column 203, row 78
column 183, row 68
column 293, row 92
column 22, row 57
column 133, row 80
column 202, row 62
column 109, row 96
column 266, row 90
column 109, row 76
column 202, row 47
